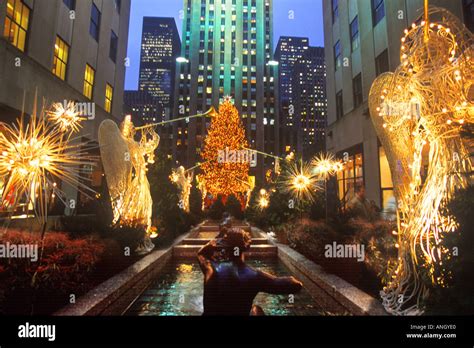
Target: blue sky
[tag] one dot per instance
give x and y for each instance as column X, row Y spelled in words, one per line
column 291, row 18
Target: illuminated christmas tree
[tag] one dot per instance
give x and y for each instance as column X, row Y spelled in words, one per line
column 226, row 166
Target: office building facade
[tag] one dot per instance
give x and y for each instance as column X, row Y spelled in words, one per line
column 227, row 51
column 143, row 107
column 146, row 109
column 309, row 97
column 159, row 49
column 289, row 50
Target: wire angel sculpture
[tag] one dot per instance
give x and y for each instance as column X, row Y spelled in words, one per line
column 201, row 182
column 417, row 110
column 125, row 162
column 184, row 182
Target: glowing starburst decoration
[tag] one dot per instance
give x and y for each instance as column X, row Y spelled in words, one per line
column 326, row 165
column 65, row 116
column 36, row 154
column 300, row 181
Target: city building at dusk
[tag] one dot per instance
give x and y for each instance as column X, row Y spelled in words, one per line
column 159, row 49
column 144, row 107
column 309, row 98
column 227, row 50
column 288, row 51
column 236, row 158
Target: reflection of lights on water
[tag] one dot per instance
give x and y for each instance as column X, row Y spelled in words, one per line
column 23, row 216
column 184, row 268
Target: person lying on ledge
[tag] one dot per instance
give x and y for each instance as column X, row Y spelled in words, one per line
column 230, row 286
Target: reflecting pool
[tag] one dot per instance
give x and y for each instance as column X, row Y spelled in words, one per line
column 178, row 291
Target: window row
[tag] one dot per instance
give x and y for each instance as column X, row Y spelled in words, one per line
column 381, row 66
column 17, row 24
column 377, row 7
column 60, row 61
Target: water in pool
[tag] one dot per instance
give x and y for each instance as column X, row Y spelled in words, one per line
column 179, row 289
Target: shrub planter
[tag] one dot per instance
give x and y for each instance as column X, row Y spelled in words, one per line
column 115, row 295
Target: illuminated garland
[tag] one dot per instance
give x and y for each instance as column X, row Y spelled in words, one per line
column 423, row 106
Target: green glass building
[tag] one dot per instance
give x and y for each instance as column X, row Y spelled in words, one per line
column 227, row 50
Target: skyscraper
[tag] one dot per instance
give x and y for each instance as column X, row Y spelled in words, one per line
column 144, row 107
column 288, row 51
column 227, row 51
column 160, row 48
column 309, row 97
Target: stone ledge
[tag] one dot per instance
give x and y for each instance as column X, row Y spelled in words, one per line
column 203, row 241
column 336, row 293
column 190, row 251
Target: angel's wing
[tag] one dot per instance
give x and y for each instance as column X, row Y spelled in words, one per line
column 115, row 157
column 393, row 127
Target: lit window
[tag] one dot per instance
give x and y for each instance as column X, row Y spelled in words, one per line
column 386, row 187
column 89, row 77
column 350, row 177
column 61, row 55
column 16, row 23
column 109, row 94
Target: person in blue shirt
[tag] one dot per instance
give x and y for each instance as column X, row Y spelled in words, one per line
column 230, row 285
